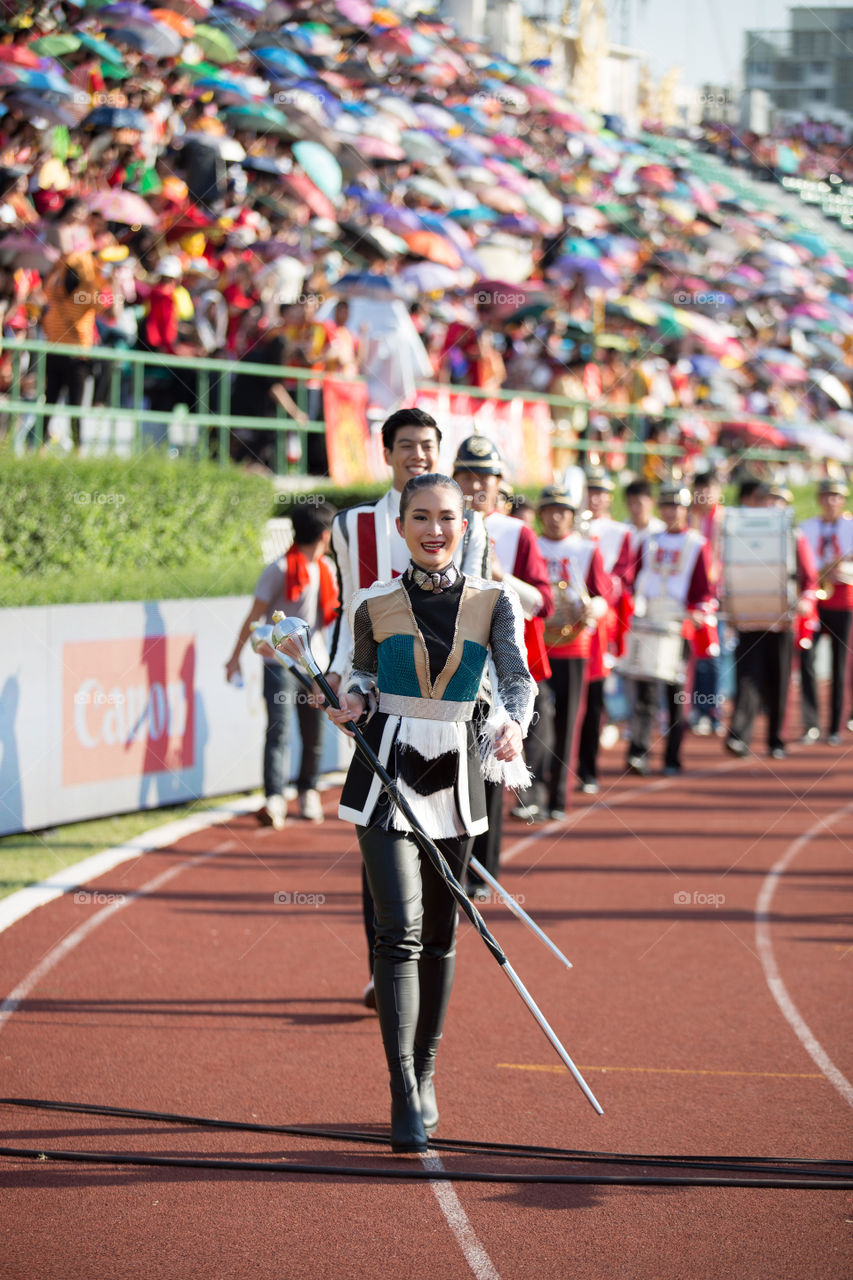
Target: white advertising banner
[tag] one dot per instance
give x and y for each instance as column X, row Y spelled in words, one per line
column 109, row 708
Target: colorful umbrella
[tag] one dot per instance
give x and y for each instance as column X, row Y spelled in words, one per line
column 283, row 60
column 115, row 118
column 54, row 46
column 358, row 12
column 41, row 112
column 36, row 81
column 260, row 117
column 215, row 44
column 302, row 186
column 427, row 244
column 177, row 21
column 320, row 166
column 376, row 149
column 433, row 277
column 422, row 147
column 122, row 206
column 195, row 9
column 28, row 250
column 101, row 48
column 20, row 56
column 152, row 39
column 402, row 109
column 232, row 92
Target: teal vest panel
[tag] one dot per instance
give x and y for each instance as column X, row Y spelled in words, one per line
column 397, row 674
column 465, row 681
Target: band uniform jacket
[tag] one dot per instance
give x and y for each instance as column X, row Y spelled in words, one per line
column 421, row 721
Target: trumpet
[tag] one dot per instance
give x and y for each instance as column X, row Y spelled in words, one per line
column 557, row 634
column 826, row 580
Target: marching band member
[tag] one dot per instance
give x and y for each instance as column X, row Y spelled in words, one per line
column 580, row 587
column 614, row 543
column 421, row 644
column 368, row 548
column 641, row 511
column 672, row 580
column 515, row 560
column 764, row 654
column 706, row 515
column 830, row 536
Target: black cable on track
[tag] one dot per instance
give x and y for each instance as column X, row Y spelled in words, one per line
column 416, row 1174
column 795, row 1172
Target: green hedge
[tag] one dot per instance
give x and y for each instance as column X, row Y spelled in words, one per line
column 75, row 530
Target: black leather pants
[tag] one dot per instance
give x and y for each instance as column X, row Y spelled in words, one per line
column 414, row 960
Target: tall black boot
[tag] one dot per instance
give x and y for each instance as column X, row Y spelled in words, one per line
column 436, row 981
column 396, row 985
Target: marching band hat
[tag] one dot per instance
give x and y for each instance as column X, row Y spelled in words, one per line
column 675, row 495
column 556, row 496
column 782, row 491
column 833, row 486
column 477, row 453
column 597, row 478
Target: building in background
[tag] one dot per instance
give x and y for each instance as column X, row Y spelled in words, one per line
column 808, row 69
column 571, row 40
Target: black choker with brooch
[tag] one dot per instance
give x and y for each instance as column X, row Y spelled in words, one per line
column 434, row 581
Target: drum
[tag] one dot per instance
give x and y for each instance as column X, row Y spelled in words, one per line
column 759, row 567
column 654, row 651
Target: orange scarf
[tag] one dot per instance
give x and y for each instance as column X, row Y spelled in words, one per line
column 297, row 579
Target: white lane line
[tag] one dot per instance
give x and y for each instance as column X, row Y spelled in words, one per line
column 20, row 904
column 78, row 935
column 764, row 943
column 457, row 1219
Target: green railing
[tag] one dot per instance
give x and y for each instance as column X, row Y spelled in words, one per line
column 205, row 414
column 209, row 421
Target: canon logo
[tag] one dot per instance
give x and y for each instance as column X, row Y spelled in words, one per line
column 120, row 716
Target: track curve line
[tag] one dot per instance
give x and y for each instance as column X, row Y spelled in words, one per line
column 764, row 944
column 78, row 935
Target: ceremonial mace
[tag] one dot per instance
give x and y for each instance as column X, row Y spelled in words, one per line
column 291, row 636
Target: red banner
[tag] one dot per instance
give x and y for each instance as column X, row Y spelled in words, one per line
column 354, row 456
column 521, row 429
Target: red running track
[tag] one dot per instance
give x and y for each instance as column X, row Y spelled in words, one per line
column 205, row 995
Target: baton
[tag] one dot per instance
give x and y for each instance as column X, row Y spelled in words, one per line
column 292, row 636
